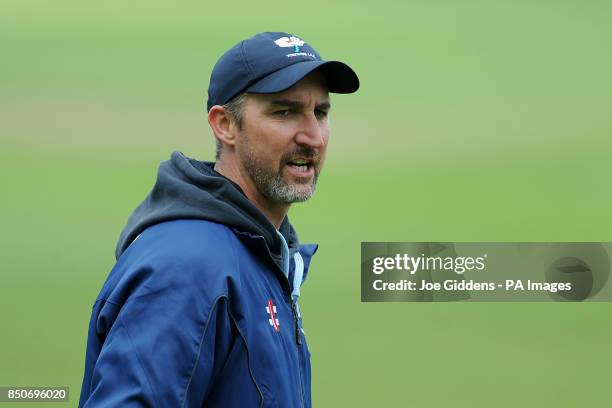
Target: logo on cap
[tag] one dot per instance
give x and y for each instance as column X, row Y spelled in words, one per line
column 290, row 42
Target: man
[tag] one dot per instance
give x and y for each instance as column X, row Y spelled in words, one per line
column 201, row 306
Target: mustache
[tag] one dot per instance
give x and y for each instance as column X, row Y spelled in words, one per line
column 303, row 152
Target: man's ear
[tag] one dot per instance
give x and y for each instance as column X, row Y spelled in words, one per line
column 222, row 125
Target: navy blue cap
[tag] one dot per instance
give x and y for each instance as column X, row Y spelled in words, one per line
column 272, row 62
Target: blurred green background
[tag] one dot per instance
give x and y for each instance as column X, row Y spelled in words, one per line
column 476, row 121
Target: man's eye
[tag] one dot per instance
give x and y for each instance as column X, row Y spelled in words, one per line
column 282, row 112
column 320, row 114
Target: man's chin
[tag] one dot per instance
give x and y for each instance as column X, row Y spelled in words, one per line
column 299, row 183
column 297, row 192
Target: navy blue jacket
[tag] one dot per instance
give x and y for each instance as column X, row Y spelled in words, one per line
column 200, row 313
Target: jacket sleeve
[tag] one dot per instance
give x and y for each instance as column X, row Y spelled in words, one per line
column 162, row 348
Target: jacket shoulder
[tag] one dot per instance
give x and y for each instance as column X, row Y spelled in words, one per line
column 178, row 255
column 187, row 241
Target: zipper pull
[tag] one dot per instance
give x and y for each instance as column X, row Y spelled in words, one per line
column 298, row 336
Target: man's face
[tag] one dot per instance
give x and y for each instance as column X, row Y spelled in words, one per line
column 283, row 139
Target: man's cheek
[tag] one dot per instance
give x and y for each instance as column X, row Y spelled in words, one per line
column 322, row 156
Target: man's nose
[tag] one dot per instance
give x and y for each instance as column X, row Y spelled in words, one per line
column 311, row 132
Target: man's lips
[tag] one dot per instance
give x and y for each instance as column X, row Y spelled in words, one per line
column 301, row 167
column 301, row 171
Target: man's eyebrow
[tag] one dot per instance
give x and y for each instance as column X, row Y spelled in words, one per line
column 291, row 103
column 324, row 106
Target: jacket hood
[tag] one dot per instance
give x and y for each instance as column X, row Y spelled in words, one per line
column 188, row 188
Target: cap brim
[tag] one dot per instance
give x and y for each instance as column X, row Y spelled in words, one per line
column 339, row 76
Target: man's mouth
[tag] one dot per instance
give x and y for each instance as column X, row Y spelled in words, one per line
column 302, row 166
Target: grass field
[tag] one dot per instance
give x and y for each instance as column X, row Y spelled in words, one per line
column 476, row 121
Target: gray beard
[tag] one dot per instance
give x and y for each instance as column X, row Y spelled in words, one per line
column 271, row 185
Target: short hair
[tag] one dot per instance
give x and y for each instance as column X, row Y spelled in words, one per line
column 235, row 108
